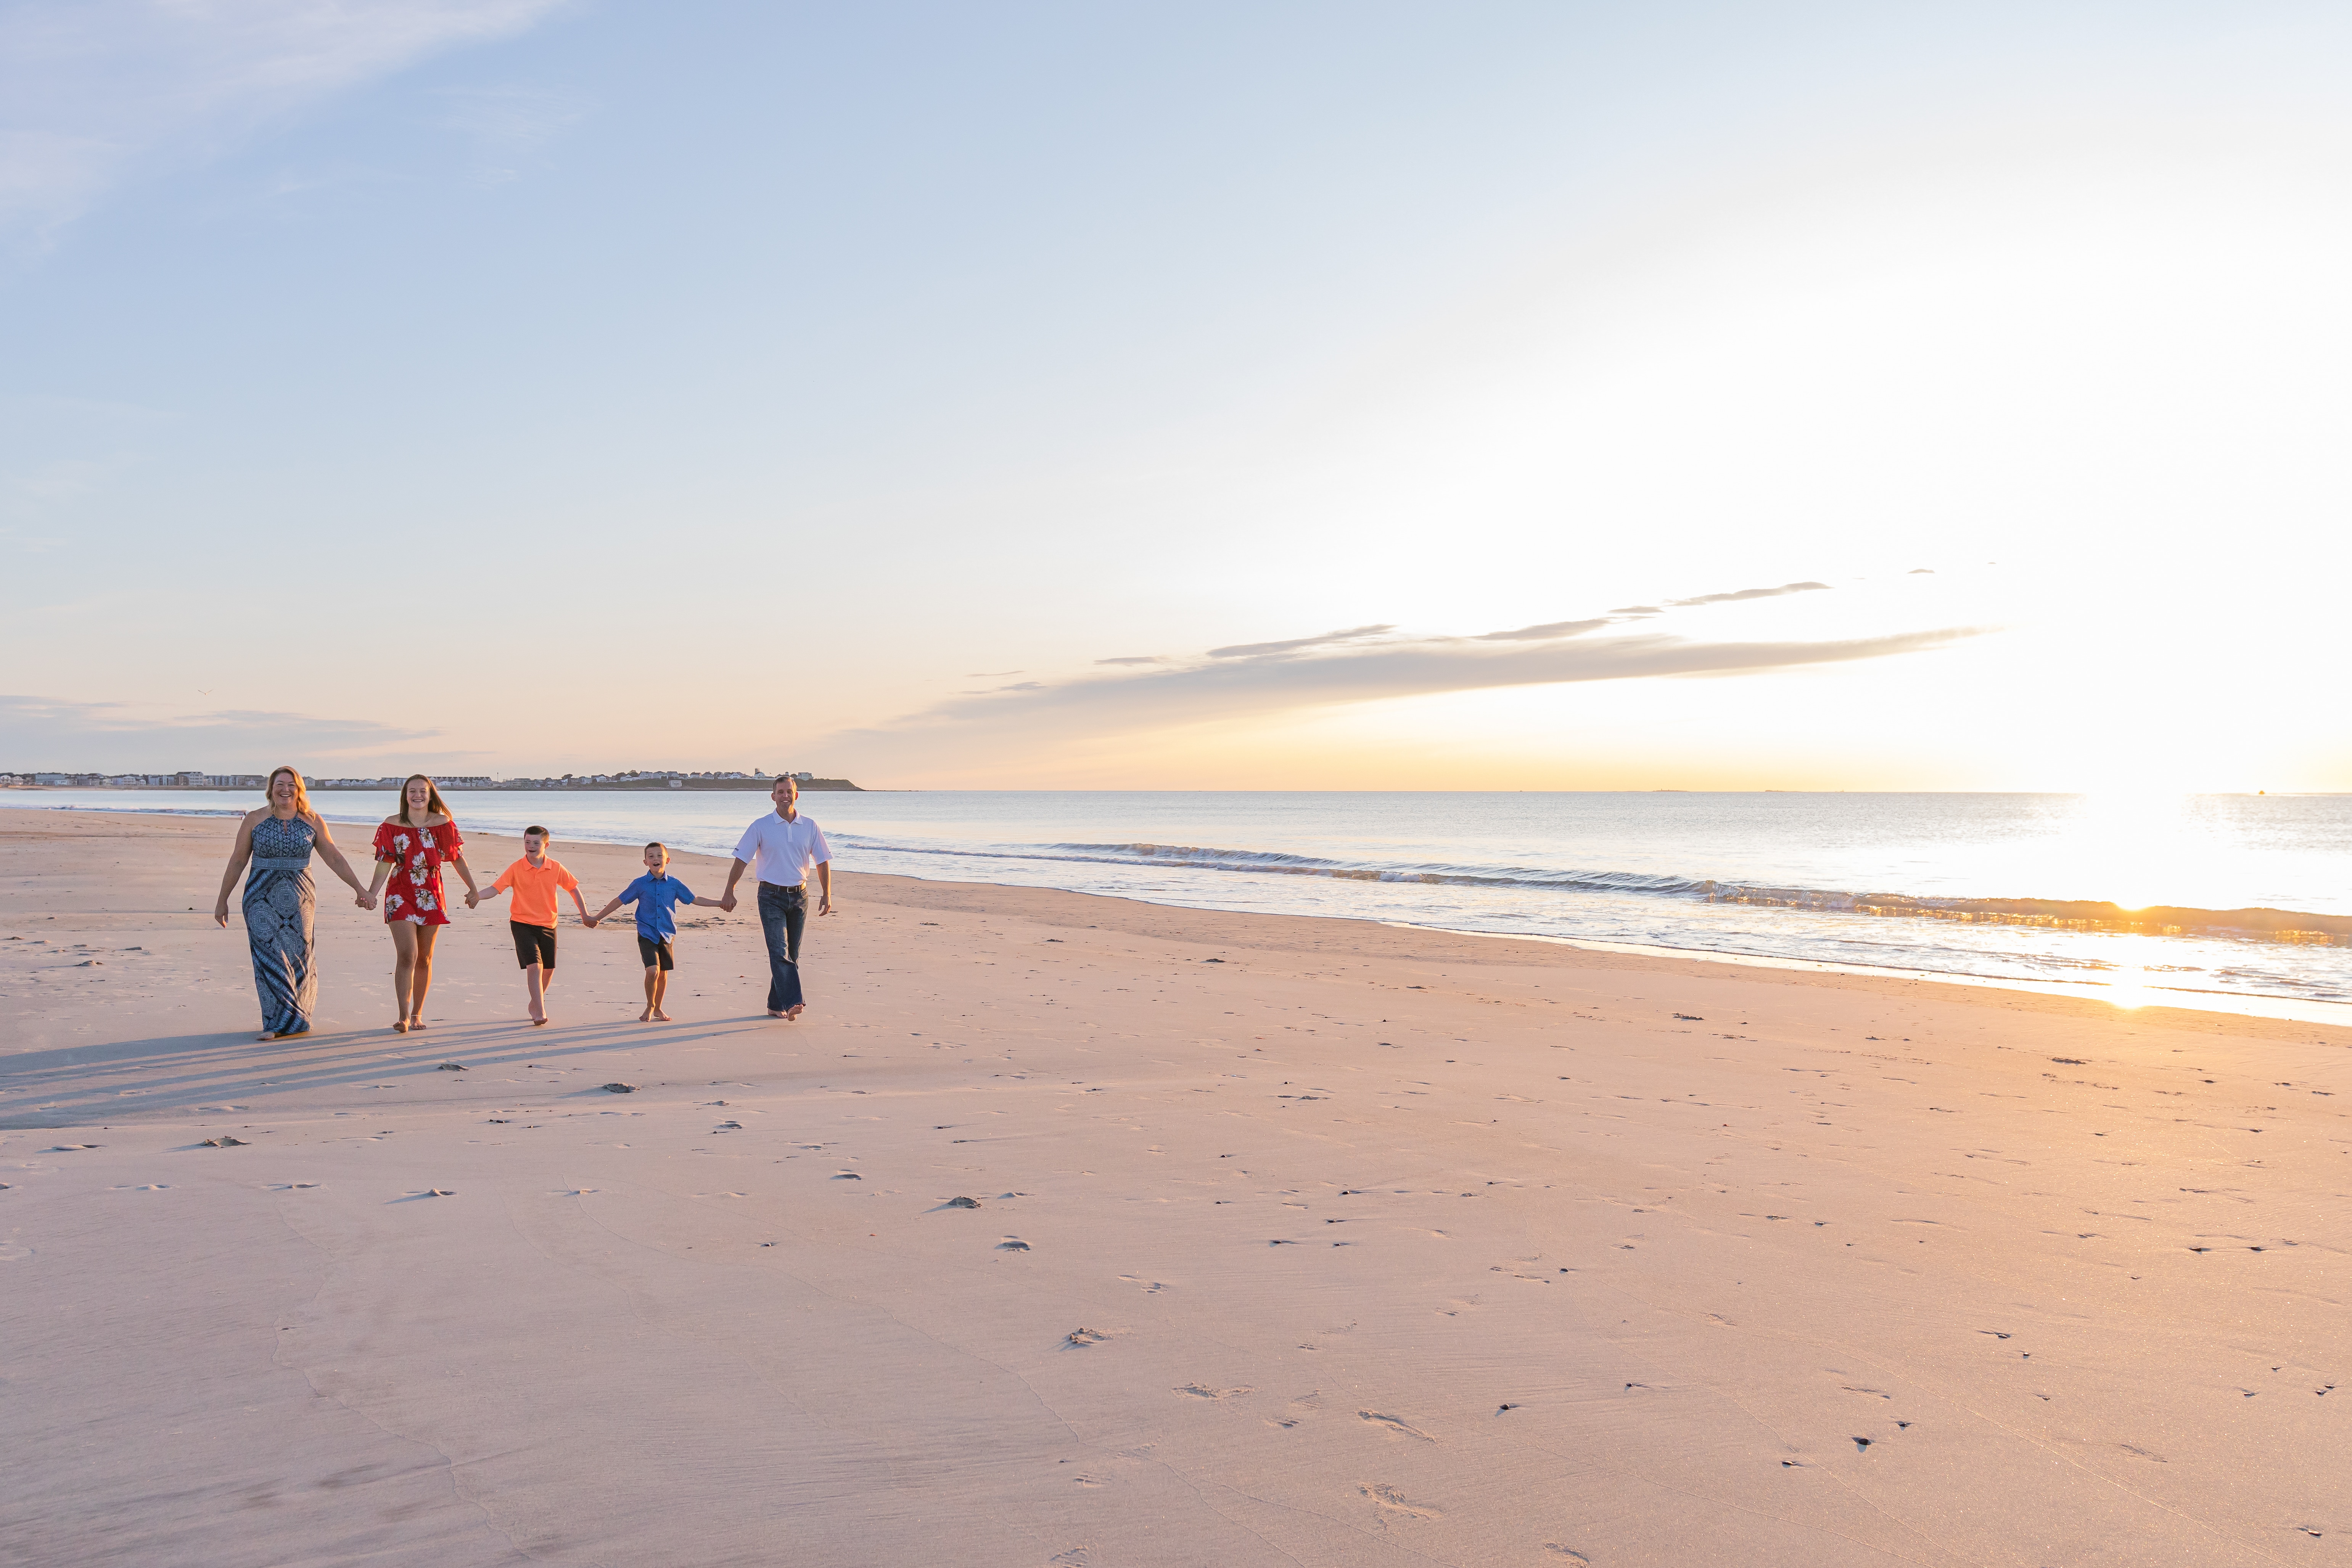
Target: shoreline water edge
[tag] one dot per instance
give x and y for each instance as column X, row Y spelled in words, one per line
column 1509, row 866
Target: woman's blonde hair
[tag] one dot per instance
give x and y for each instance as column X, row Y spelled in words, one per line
column 302, row 795
column 433, row 804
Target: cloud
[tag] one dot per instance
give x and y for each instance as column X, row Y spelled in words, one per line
column 96, row 93
column 1147, row 658
column 1234, row 688
column 49, row 733
column 1921, row 571
column 1265, row 649
column 991, row 674
column 1752, row 594
column 1546, row 632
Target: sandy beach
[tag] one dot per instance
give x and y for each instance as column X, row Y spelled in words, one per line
column 1187, row 1237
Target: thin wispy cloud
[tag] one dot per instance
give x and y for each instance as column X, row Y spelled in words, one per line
column 1136, row 659
column 1745, row 594
column 1364, row 664
column 96, row 92
column 1548, row 631
column 1294, row 645
column 47, row 732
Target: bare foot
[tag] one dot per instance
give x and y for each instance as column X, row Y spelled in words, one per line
column 400, row 1028
column 416, row 1023
column 796, row 1010
column 538, row 1021
column 660, row 1017
column 265, row 1034
column 647, row 1017
column 773, row 1013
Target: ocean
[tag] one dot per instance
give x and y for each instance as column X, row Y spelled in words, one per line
column 2212, row 901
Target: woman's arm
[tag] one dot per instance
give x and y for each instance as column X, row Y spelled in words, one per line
column 376, row 884
column 334, row 859
column 472, row 892
column 238, row 855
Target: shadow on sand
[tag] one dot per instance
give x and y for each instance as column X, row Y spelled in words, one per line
column 80, row 1085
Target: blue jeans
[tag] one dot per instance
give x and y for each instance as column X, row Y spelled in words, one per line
column 783, row 911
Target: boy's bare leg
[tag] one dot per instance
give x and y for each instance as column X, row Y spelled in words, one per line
column 535, row 978
column 653, row 991
column 661, row 986
column 421, row 979
column 404, row 966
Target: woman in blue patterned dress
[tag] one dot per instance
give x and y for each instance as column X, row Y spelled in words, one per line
column 278, row 840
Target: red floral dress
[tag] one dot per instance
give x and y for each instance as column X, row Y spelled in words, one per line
column 413, row 891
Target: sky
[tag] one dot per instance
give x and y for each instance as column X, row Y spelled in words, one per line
column 1271, row 395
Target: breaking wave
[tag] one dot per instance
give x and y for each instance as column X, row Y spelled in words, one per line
column 2068, row 914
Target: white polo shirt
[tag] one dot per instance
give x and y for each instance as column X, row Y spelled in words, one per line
column 781, row 852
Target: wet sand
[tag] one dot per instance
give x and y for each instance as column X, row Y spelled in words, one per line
column 1282, row 1241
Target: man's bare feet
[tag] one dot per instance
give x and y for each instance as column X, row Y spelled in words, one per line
column 775, row 1013
column 796, row 1010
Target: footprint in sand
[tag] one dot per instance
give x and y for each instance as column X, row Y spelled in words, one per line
column 1401, row 1428
column 1392, row 1502
column 1082, row 1337
column 1201, row 1391
column 1151, row 1287
column 1012, row 1243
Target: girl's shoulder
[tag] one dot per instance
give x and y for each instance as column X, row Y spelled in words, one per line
column 432, row 820
column 392, row 822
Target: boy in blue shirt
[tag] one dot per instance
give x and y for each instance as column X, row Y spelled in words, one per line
column 656, row 894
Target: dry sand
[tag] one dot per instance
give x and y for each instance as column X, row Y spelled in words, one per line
column 1296, row 1241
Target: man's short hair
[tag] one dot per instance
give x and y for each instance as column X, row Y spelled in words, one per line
column 658, row 844
column 542, row 832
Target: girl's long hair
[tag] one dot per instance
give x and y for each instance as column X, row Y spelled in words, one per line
column 433, row 802
column 302, row 795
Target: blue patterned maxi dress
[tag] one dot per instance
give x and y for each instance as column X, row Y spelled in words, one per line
column 280, row 923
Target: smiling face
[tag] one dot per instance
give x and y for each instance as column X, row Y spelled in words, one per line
column 281, row 789
column 418, row 796
column 784, row 795
column 656, row 857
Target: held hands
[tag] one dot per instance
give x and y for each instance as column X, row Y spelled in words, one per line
column 588, row 921
column 728, row 903
column 472, row 898
column 365, row 900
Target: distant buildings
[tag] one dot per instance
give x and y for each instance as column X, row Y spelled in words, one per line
column 629, row 778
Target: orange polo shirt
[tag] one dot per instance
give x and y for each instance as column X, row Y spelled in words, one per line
column 535, row 887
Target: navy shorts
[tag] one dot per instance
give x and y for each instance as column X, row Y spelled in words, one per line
column 655, row 954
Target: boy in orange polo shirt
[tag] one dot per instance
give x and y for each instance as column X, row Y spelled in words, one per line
column 536, row 878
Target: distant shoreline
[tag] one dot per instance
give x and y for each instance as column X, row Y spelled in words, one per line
column 754, row 785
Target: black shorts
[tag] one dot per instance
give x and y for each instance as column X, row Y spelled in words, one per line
column 533, row 944
column 655, row 954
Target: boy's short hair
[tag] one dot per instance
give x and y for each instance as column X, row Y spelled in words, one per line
column 658, row 844
column 542, row 832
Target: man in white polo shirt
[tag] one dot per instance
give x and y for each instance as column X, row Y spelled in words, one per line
column 783, row 845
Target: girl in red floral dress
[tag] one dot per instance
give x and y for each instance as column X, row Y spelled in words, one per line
column 410, row 849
